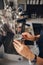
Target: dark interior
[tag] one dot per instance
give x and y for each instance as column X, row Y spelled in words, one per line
column 1, row 4
column 35, row 9
column 37, row 30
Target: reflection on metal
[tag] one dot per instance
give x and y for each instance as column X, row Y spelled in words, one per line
column 34, row 2
column 41, row 2
column 30, row 1
column 27, row 1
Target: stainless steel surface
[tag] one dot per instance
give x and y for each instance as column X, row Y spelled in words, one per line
column 13, row 57
column 8, row 62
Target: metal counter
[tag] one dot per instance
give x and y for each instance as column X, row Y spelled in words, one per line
column 9, row 62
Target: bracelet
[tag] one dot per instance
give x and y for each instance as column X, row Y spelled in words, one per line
column 35, row 59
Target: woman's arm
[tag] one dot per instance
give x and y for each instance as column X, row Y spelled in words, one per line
column 26, row 52
column 39, row 61
column 28, row 36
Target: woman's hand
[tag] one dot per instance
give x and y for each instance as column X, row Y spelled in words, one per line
column 23, row 50
column 28, row 36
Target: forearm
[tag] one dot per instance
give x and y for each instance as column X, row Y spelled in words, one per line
column 33, row 37
column 28, row 36
column 39, row 60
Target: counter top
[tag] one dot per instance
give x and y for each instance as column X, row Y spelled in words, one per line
column 9, row 62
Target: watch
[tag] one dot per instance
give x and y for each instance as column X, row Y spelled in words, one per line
column 35, row 59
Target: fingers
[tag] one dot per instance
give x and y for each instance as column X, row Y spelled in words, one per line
column 17, row 42
column 25, row 33
column 37, row 36
column 24, row 36
column 16, row 46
